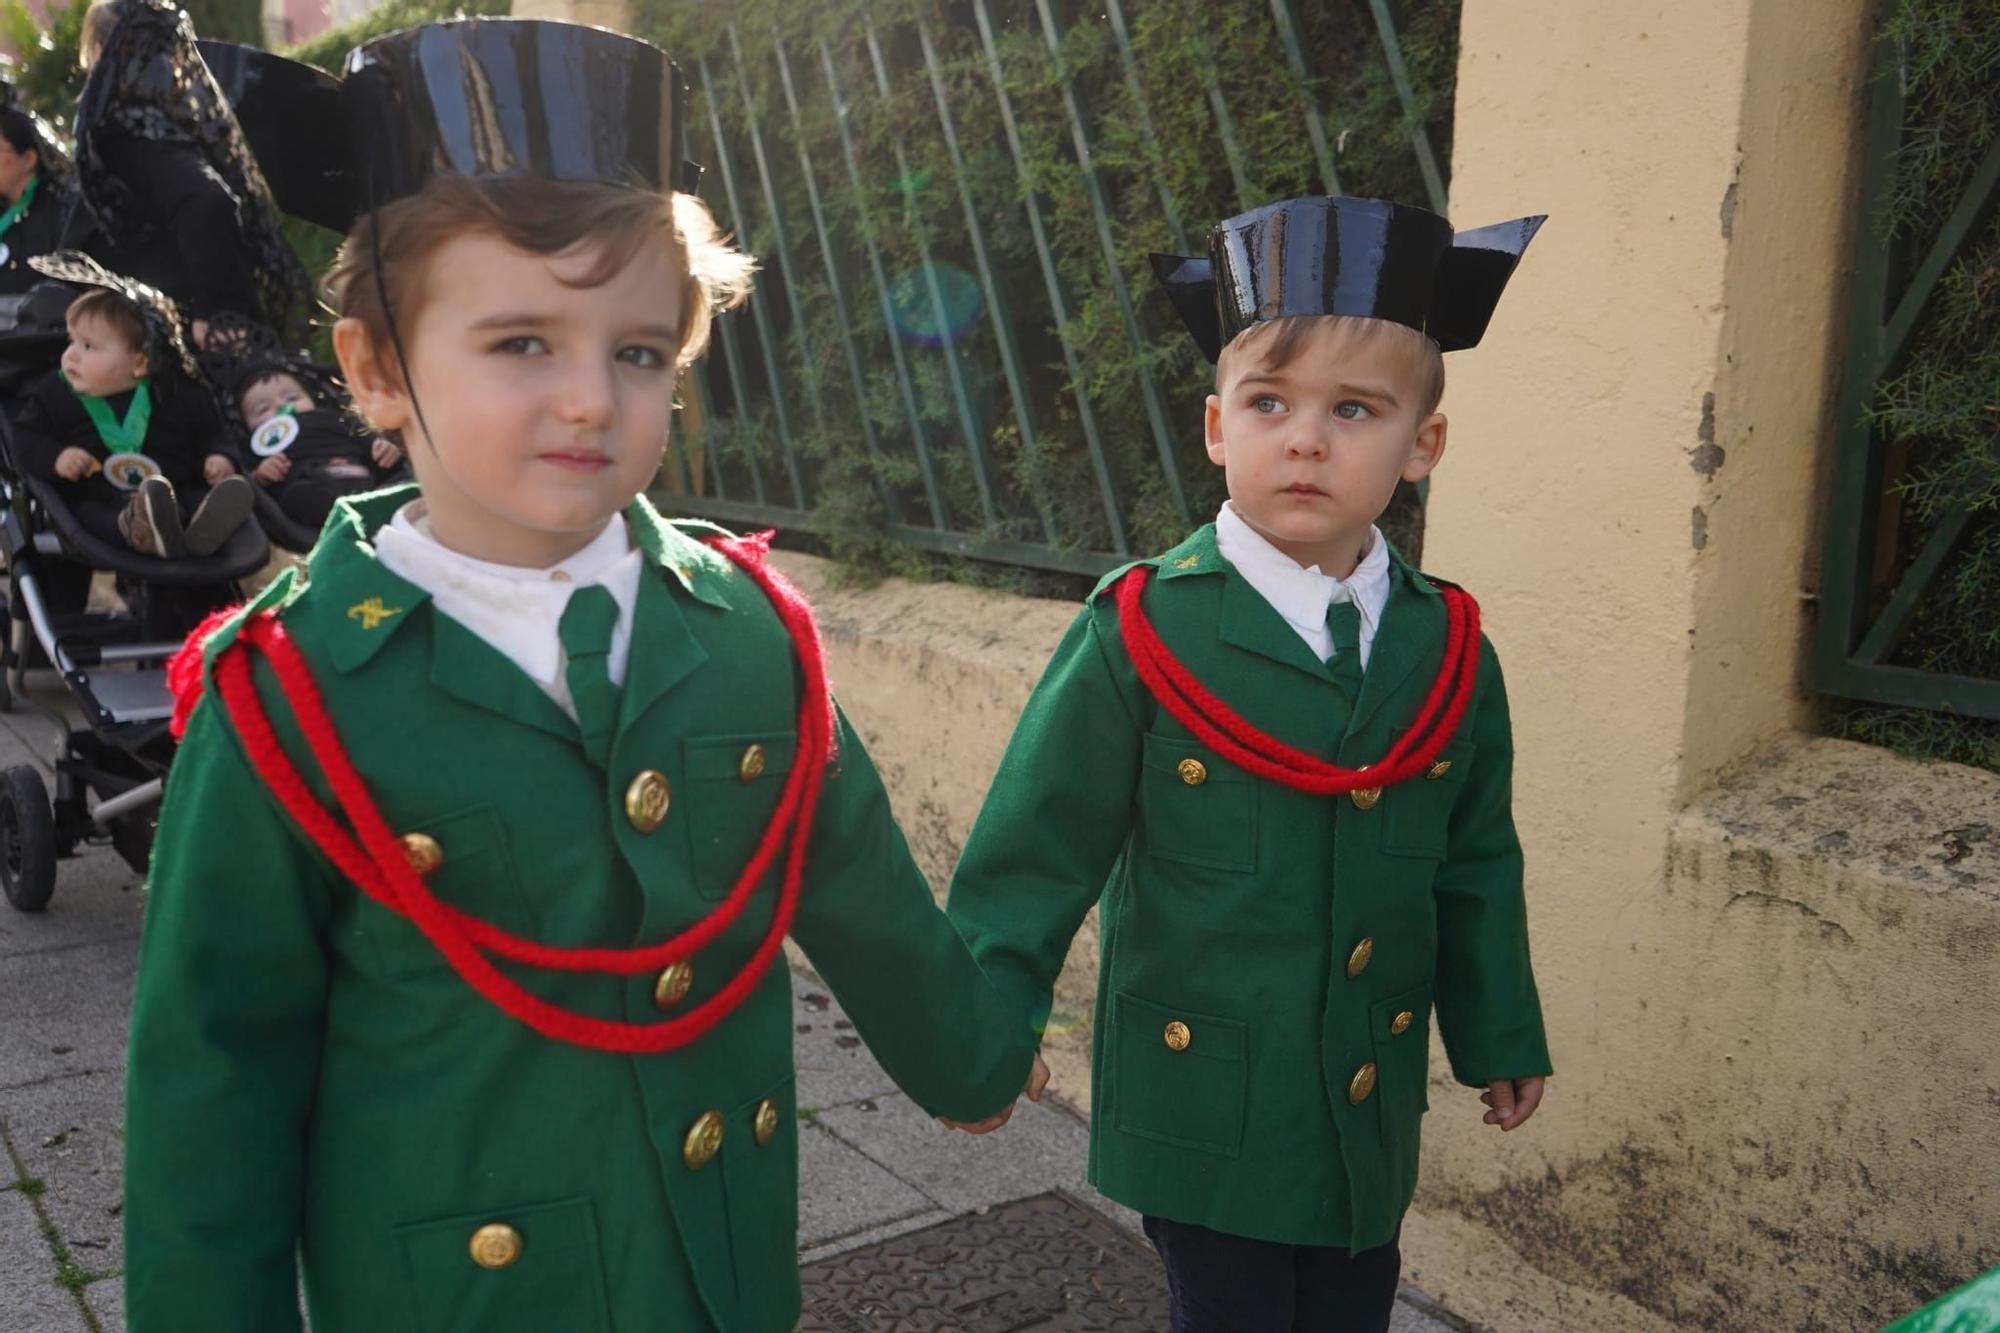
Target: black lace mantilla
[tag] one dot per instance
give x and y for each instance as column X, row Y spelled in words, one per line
column 149, row 82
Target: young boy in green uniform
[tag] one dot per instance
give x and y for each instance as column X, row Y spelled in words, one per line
column 456, row 990
column 1280, row 757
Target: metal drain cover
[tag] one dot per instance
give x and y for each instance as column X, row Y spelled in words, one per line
column 1047, row 1264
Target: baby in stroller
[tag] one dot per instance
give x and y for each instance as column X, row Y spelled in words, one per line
column 307, row 448
column 130, row 439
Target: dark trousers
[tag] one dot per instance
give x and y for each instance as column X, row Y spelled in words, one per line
column 1220, row 1283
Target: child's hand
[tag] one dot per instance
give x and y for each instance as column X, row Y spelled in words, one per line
column 1510, row 1101
column 215, row 467
column 273, row 469
column 75, row 463
column 1038, row 1078
column 385, row 453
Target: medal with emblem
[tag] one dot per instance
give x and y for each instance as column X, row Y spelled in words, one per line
column 127, row 471
column 6, row 253
column 274, row 436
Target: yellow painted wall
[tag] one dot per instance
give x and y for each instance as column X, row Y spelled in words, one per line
column 1631, row 487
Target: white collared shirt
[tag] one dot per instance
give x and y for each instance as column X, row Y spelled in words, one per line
column 1301, row 594
column 514, row 609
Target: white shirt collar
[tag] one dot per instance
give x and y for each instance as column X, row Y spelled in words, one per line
column 515, row 609
column 1301, row 594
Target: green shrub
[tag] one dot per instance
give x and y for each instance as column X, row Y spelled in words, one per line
column 913, row 208
column 1940, row 412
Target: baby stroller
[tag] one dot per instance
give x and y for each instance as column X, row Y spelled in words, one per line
column 238, row 350
column 110, row 770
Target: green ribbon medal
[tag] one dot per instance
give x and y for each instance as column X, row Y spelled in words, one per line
column 120, row 437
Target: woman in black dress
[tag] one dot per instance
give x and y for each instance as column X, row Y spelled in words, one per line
column 165, row 168
column 40, row 211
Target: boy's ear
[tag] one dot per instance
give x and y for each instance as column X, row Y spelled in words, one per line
column 377, row 392
column 1211, row 429
column 142, row 365
column 1428, row 449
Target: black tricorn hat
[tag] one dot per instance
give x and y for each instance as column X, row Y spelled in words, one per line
column 291, row 115
column 1339, row 255
column 502, row 97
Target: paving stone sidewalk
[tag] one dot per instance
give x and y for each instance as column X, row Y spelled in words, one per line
column 888, row 1200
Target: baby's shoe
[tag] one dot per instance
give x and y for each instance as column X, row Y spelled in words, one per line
column 151, row 523
column 220, row 514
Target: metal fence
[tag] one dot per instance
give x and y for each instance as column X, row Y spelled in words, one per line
column 926, row 346
column 1881, row 567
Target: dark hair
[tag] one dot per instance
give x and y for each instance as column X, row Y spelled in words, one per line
column 1279, row 342
column 115, row 309
column 19, row 131
column 543, row 217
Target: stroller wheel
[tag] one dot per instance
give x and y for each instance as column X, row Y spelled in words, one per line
column 27, row 839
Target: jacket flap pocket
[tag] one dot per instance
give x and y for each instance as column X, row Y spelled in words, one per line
column 1178, row 1076
column 1165, row 754
column 522, row 1269
column 1399, row 1028
column 465, row 859
column 744, row 758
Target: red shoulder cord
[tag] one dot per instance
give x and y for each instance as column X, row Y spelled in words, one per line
column 1223, row 730
column 379, row 866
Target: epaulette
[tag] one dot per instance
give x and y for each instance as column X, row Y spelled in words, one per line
column 700, row 528
column 1438, row 583
column 187, row 670
column 1111, row 579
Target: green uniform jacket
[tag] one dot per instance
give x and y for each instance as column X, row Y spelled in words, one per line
column 308, row 1076
column 1283, row 933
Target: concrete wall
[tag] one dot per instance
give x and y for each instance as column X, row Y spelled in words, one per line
column 1634, row 479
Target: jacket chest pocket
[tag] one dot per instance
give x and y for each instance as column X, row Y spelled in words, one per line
column 732, row 788
column 1197, row 809
column 514, row 1270
column 1416, row 815
column 465, row 860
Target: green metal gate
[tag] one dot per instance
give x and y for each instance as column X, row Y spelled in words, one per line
column 1882, row 566
column 921, row 345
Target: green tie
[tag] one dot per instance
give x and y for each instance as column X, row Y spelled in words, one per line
column 1343, row 622
column 585, row 632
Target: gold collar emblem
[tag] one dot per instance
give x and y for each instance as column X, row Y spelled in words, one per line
column 1188, row 562
column 372, row 613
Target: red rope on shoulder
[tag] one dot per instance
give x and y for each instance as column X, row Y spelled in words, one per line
column 1225, row 731
column 373, row 858
column 184, row 668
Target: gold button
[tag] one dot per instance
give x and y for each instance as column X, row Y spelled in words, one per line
column 495, row 1245
column 1361, row 1084
column 1365, row 797
column 421, row 850
column 1438, row 770
column 764, row 1125
column 704, row 1140
column 1401, row 1023
column 1357, row 962
column 1193, row 772
column 646, row 800
column 672, row 986
column 1178, row 1036
column 751, row 766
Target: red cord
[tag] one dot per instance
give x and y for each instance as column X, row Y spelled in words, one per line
column 378, row 866
column 1226, row 732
